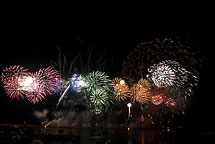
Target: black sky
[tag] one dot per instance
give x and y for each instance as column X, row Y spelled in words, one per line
column 32, row 42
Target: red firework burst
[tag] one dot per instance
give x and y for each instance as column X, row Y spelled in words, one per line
column 157, row 99
column 47, row 80
column 17, row 82
column 10, row 79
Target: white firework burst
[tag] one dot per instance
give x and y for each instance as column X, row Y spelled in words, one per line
column 167, row 74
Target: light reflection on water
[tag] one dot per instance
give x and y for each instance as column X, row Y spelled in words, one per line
column 56, row 135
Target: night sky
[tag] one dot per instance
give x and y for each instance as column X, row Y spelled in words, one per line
column 33, row 42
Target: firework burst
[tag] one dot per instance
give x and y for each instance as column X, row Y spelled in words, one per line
column 46, row 81
column 153, row 52
column 145, row 83
column 121, row 89
column 77, row 83
column 171, row 67
column 34, row 86
column 167, row 74
column 10, row 78
column 37, row 95
column 98, row 89
column 98, row 80
column 99, row 97
column 140, row 94
column 157, row 99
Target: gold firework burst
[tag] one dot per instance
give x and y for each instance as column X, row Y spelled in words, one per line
column 140, row 92
column 145, row 83
column 121, row 89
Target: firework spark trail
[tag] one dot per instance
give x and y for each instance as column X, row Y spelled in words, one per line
column 62, row 95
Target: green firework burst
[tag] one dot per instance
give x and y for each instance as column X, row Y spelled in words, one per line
column 98, row 91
